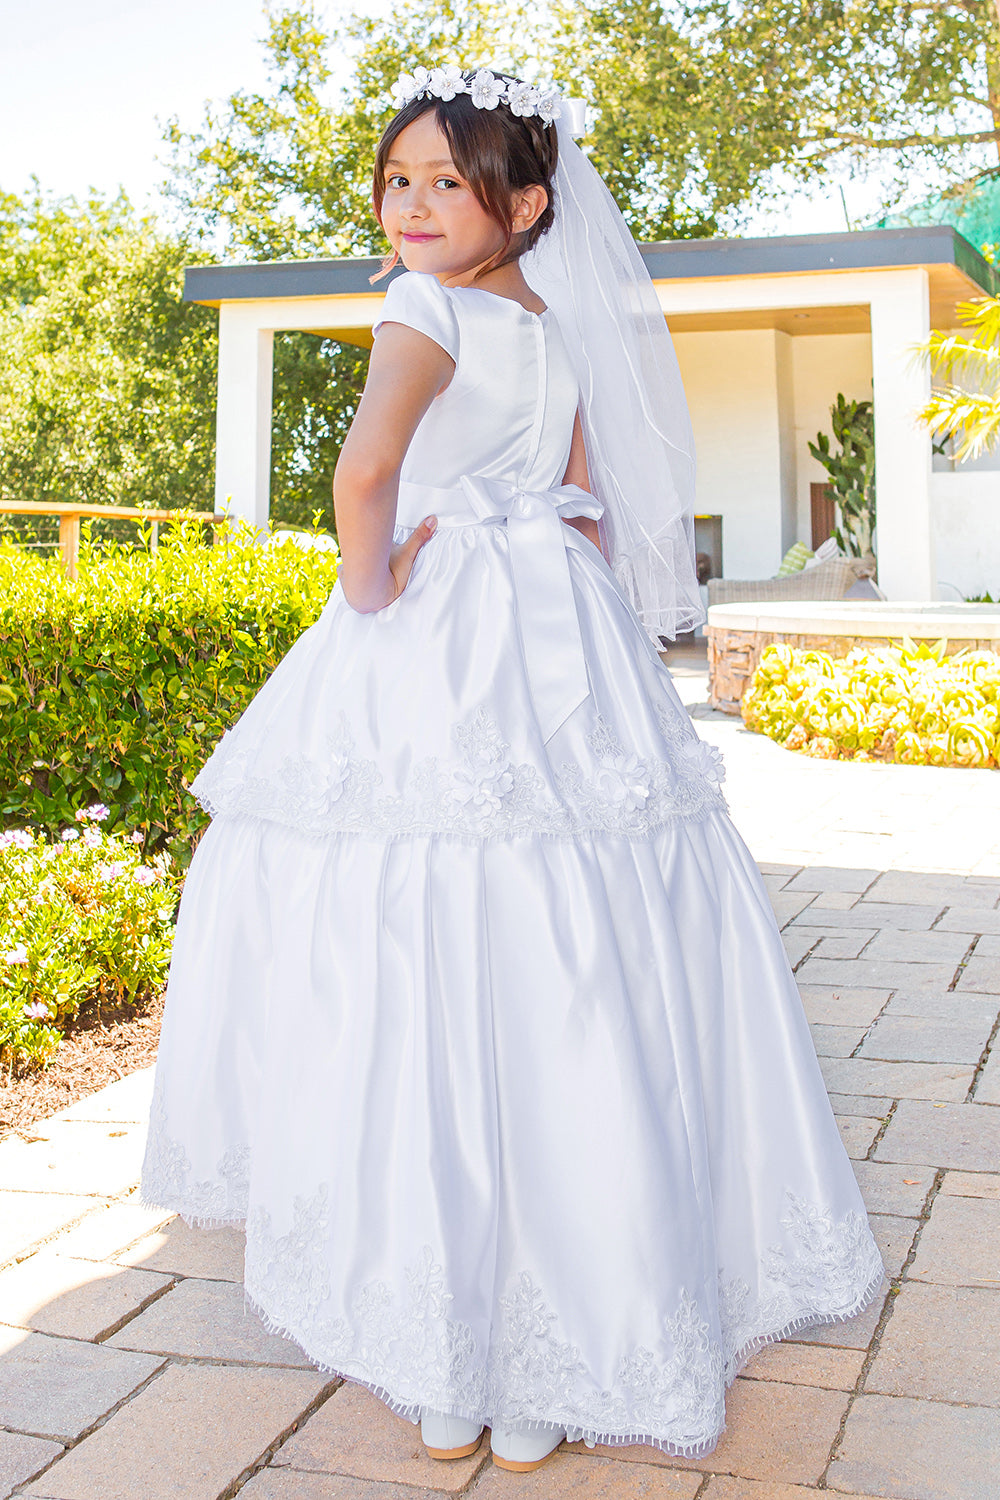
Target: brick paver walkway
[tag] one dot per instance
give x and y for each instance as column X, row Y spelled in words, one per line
column 129, row 1369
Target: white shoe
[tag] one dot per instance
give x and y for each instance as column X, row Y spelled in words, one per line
column 448, row 1437
column 526, row 1447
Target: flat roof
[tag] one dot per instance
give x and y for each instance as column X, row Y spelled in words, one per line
column 674, row 260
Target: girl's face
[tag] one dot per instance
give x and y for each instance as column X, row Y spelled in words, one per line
column 431, row 216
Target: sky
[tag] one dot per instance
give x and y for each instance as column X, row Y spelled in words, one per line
column 84, row 85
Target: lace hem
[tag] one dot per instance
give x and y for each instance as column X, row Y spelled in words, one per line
column 405, row 1344
column 479, row 794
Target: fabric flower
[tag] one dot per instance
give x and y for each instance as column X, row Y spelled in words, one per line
column 37, row 1011
column 447, row 82
column 410, row 86
column 486, row 90
column 522, row 99
column 482, row 783
column 144, row 876
column 548, row 102
column 703, row 759
column 18, row 955
column 626, row 783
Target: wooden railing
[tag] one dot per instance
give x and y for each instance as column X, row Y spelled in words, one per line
column 70, row 516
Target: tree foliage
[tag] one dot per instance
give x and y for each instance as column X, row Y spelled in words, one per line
column 966, row 405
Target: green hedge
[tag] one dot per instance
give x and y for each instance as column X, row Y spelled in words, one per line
column 115, row 687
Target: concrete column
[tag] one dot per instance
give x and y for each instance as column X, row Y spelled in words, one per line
column 243, row 417
column 900, row 313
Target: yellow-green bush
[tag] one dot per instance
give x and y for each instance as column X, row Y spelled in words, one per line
column 909, row 704
column 115, row 687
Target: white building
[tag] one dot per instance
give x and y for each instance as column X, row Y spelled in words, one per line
column 768, row 331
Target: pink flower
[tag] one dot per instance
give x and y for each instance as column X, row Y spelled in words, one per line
column 92, row 838
column 96, row 813
column 37, row 1011
column 18, row 955
column 112, row 871
column 144, row 875
column 16, row 838
column 137, row 836
column 69, row 834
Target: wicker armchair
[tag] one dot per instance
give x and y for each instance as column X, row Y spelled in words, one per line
column 828, row 580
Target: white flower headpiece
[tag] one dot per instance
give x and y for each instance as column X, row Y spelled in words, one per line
column 485, row 89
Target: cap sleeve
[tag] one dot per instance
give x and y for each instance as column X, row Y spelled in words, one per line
column 420, row 301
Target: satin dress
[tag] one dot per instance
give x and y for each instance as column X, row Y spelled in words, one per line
column 478, row 1015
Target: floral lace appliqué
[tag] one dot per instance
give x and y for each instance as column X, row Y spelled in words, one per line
column 481, row 792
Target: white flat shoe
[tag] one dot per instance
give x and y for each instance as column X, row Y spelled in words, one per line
column 448, row 1437
column 522, row 1449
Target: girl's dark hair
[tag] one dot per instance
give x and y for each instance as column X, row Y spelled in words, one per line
column 495, row 151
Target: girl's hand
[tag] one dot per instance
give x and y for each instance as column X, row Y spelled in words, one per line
column 403, row 556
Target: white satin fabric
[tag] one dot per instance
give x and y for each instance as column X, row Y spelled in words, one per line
column 478, row 1015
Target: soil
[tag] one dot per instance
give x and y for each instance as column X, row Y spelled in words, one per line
column 100, row 1046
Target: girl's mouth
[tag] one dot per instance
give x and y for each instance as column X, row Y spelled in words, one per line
column 419, row 239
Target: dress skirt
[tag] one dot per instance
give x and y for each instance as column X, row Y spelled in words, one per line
column 492, row 1043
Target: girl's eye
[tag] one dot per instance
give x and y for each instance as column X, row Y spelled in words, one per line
column 397, row 180
column 446, row 182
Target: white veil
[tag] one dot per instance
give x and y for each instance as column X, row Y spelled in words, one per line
column 640, row 449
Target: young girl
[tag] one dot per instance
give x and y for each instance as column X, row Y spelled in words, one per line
column 478, row 1014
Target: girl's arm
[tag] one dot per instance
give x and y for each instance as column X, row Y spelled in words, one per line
column 407, row 371
column 577, row 473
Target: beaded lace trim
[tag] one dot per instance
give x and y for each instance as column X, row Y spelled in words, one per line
column 405, row 1342
column 479, row 793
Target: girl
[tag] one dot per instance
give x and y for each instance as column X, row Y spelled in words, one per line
column 478, row 1015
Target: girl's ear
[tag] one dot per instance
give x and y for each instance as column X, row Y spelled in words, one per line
column 529, row 204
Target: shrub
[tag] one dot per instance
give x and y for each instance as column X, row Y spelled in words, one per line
column 909, row 704
column 82, row 919
column 115, row 687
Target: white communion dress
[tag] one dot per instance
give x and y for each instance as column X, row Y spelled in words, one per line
column 478, row 1015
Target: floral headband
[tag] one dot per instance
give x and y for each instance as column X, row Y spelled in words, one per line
column 485, row 89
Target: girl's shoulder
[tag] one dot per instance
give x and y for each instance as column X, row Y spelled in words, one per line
column 419, row 301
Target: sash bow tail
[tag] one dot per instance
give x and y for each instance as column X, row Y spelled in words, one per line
column 543, row 590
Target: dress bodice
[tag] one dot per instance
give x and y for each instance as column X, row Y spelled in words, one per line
column 508, row 410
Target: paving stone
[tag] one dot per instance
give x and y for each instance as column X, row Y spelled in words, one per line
column 899, row 1038
column 724, row 1487
column 897, row 1080
column 860, row 1104
column 807, row 1364
column 798, row 941
column 843, row 943
column 873, row 914
column 188, row 1435
column 786, row 905
column 208, row 1320
column 26, row 1219
column 894, row 1236
column 22, row 1458
column 966, row 1136
column 971, row 1184
column 836, row 1041
column 981, row 975
column 354, row 1433
column 988, row 1087
column 857, row 1133
column 917, row 1450
column 60, row 1387
column 834, row 1005
column 919, row 947
column 290, row 1484
column 835, row 900
column 773, row 1431
column 830, row 878
column 929, row 889
column 988, row 947
column 588, row 1478
column 873, row 973
column 105, row 1231
column 78, row 1299
column 970, row 919
column 855, row 1333
column 213, row 1254
column 950, row 1005
column 941, row 1342
column 889, row 1188
column 127, row 1101
column 960, row 1243
column 99, row 1160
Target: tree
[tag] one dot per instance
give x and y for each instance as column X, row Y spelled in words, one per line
column 967, row 405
